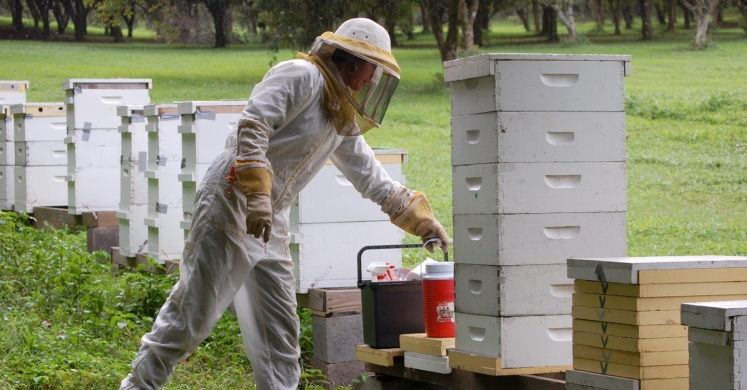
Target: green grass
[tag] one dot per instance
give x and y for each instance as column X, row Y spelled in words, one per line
column 686, row 167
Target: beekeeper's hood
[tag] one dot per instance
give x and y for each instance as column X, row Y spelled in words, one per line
column 367, row 40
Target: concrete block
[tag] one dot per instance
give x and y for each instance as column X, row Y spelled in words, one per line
column 524, row 239
column 335, row 337
column 102, row 238
column 342, row 374
column 538, row 188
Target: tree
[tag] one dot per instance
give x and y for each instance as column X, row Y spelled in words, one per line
column 61, row 11
column 536, row 10
column 702, row 11
column 467, row 12
column 219, row 11
column 627, row 13
column 522, row 11
column 672, row 15
column 615, row 8
column 597, row 12
column 646, row 28
column 394, row 13
column 550, row 23
column 16, row 12
column 566, row 17
column 79, row 15
column 437, row 9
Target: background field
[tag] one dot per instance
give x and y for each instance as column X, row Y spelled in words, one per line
column 686, row 167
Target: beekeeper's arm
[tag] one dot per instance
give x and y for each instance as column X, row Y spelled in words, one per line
column 273, row 102
column 407, row 209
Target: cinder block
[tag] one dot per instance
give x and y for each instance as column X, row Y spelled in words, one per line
column 335, row 337
column 102, row 238
column 342, row 374
column 57, row 217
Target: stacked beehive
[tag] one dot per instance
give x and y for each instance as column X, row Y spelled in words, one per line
column 626, row 315
column 11, row 92
column 538, row 154
column 717, row 332
column 165, row 238
column 93, row 140
column 40, row 155
column 133, row 199
column 330, row 204
column 204, row 127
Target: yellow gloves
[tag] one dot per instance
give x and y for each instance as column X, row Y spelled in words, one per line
column 418, row 219
column 256, row 183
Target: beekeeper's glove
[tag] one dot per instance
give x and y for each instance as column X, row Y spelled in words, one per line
column 411, row 212
column 256, row 182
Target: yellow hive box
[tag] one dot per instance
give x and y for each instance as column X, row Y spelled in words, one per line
column 600, row 301
column 659, row 290
column 630, row 331
column 630, row 344
column 382, row 357
column 420, row 343
column 634, row 372
column 668, row 317
column 639, row 359
column 492, row 365
column 692, row 275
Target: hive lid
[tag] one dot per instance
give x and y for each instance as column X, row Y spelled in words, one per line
column 625, row 269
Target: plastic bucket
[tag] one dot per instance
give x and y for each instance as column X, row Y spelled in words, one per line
column 438, row 300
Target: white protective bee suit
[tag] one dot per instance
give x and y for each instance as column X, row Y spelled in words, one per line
column 283, row 128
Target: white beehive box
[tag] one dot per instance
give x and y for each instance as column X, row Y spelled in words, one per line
column 7, row 153
column 532, row 341
column 39, row 122
column 165, row 236
column 325, row 254
column 40, row 186
column 523, row 239
column 13, row 92
column 717, row 337
column 41, row 153
column 330, row 197
column 7, row 187
column 539, row 188
column 133, row 204
column 6, row 123
column 521, row 137
column 93, row 170
column 92, row 103
column 508, row 291
column 536, row 82
column 205, row 127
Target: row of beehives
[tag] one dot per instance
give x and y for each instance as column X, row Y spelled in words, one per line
column 106, row 149
column 538, row 155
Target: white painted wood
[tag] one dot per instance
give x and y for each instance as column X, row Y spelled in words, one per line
column 625, row 269
column 555, row 85
column 517, row 137
column 7, row 153
column 6, row 122
column 204, row 131
column 93, row 189
column 707, row 336
column 532, row 341
column 133, row 234
column 40, row 186
column 599, row 381
column 523, row 239
column 13, row 92
column 41, row 153
column 739, row 324
column 517, row 188
column 481, row 65
column 39, row 122
column 713, row 315
column 7, row 187
column 325, row 253
column 420, row 361
column 95, row 101
column 330, row 197
column 508, row 291
column 165, row 235
column 711, row 366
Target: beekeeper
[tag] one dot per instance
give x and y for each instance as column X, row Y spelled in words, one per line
column 304, row 112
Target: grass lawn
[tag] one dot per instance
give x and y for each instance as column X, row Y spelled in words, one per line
column 687, row 178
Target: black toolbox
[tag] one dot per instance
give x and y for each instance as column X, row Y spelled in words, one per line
column 390, row 308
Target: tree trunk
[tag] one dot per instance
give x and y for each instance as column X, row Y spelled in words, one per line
column 550, row 23
column 80, row 19
column 566, row 17
column 448, row 48
column 702, row 11
column 116, row 32
column 482, row 20
column 468, row 10
column 523, row 13
column 672, row 10
column 425, row 16
column 44, row 6
column 686, row 15
column 35, row 12
column 615, row 11
column 389, row 25
column 627, row 14
column 129, row 18
column 61, row 12
column 659, row 13
column 647, row 31
column 597, row 12
column 218, row 9
column 16, row 11
column 536, row 14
